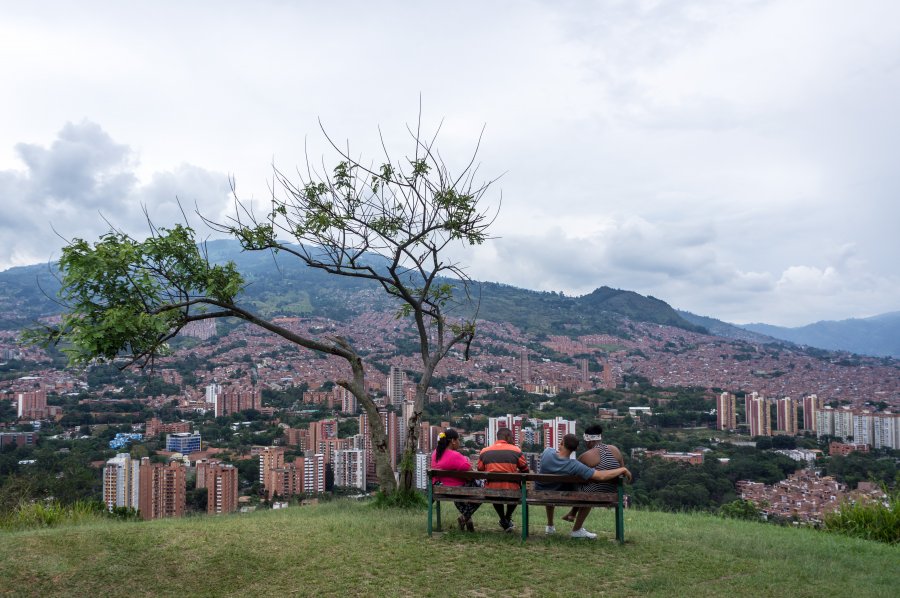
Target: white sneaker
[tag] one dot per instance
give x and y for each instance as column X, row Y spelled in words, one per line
column 583, row 533
column 549, row 530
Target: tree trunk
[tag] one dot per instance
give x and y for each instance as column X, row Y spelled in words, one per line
column 377, row 434
column 408, row 462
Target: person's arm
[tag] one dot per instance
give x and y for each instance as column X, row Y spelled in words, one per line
column 522, row 464
column 460, row 462
column 604, row 475
column 480, row 466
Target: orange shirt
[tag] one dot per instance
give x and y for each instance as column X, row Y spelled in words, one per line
column 502, row 457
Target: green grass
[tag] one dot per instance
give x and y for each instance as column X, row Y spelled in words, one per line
column 344, row 548
column 868, row 520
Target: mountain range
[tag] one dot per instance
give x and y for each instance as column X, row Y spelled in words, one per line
column 878, row 335
column 282, row 285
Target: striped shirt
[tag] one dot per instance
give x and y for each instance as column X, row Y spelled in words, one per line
column 502, row 457
column 607, row 462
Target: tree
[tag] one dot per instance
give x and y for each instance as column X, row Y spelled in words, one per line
column 128, row 297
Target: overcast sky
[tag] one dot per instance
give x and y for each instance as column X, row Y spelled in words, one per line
column 737, row 159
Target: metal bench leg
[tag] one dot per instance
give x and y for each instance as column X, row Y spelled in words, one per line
column 524, row 512
column 620, row 516
column 430, row 504
column 438, row 509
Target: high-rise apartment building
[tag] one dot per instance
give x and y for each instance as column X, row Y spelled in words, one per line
column 349, row 404
column 726, row 411
column 863, row 428
column 396, row 378
column 878, row 430
column 121, row 487
column 233, row 399
column 759, row 416
column 786, row 416
column 392, row 432
column 843, row 423
column 211, row 392
column 329, row 446
column 423, row 464
column 514, row 422
column 320, row 431
column 31, row 404
column 554, row 430
column 886, row 430
column 304, row 475
column 526, row 367
column 824, row 422
column 313, row 474
column 298, row 437
column 811, row 404
column 162, row 489
column 609, row 379
column 221, row 482
column 350, row 468
column 271, row 457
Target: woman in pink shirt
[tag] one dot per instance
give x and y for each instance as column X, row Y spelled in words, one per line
column 447, row 456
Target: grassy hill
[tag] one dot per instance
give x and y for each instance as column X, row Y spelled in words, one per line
column 345, row 548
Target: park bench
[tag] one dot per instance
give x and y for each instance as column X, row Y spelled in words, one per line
column 525, row 496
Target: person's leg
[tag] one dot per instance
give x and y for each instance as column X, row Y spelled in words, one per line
column 570, row 516
column 550, row 510
column 582, row 514
column 500, row 511
column 510, row 509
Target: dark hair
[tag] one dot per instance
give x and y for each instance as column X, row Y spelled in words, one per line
column 594, row 429
column 570, row 441
column 504, row 434
column 443, row 443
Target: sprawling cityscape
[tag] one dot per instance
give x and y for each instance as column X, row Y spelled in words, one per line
column 244, row 420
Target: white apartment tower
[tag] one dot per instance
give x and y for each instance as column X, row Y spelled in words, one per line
column 121, row 482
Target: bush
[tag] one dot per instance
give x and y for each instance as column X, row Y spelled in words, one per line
column 401, row 499
column 740, row 509
column 50, row 514
column 879, row 521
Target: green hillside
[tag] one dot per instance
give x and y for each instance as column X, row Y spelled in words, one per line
column 345, row 548
column 282, row 285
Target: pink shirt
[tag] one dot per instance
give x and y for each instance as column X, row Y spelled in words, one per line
column 452, row 461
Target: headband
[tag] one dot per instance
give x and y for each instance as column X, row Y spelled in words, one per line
column 592, row 437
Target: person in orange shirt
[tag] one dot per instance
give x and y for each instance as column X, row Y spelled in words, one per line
column 503, row 457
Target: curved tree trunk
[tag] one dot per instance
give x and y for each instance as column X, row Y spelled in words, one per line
column 377, row 434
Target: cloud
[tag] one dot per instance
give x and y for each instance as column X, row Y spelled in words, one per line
column 84, row 177
column 687, row 266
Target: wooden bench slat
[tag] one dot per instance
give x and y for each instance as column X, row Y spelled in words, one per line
column 488, row 493
column 587, row 497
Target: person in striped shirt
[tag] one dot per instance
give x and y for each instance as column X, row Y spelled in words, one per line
column 503, row 457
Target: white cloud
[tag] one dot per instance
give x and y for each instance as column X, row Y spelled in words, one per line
column 82, row 179
column 720, row 155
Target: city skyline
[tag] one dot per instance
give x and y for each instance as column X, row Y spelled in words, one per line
column 732, row 159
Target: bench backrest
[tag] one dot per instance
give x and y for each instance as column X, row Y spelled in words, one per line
column 518, row 478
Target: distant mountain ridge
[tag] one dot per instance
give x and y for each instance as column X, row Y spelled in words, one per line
column 724, row 329
column 878, row 335
column 282, row 285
